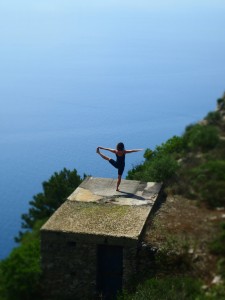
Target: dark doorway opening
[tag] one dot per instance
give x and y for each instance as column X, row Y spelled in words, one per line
column 109, row 271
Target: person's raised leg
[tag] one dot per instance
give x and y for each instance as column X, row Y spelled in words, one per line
column 102, row 155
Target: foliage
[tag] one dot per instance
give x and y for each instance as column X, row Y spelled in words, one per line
column 216, row 292
column 221, row 102
column 207, row 181
column 201, row 138
column 217, row 247
column 171, row 288
column 221, row 266
column 213, row 118
column 161, row 168
column 20, row 272
column 193, row 165
column 218, row 244
column 136, row 173
column 174, row 145
column 55, row 192
column 173, row 255
column 159, row 164
column 148, row 154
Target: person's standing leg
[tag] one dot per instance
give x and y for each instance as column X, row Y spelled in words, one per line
column 118, row 182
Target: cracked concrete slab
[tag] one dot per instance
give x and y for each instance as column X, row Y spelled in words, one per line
column 132, row 192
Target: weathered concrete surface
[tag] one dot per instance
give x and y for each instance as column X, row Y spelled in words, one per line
column 101, row 190
column 95, row 208
column 99, row 219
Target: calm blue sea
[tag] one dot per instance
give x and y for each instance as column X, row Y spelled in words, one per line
column 78, row 74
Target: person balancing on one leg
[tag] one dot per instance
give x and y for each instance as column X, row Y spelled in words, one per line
column 120, row 159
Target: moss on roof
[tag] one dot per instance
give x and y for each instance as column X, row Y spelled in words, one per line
column 96, row 208
column 99, row 219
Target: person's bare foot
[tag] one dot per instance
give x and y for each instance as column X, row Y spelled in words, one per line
column 97, row 150
column 117, row 190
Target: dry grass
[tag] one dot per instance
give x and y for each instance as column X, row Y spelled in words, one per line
column 184, row 230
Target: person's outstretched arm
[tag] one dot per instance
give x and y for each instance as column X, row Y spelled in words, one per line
column 108, row 149
column 133, row 150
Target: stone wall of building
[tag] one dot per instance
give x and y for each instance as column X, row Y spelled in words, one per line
column 68, row 265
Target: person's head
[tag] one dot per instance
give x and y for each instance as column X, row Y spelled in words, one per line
column 120, row 146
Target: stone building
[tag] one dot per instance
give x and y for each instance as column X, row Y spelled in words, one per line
column 89, row 245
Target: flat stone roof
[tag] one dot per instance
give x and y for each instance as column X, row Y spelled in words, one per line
column 102, row 190
column 95, row 208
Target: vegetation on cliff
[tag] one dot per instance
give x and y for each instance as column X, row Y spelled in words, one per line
column 193, row 164
column 188, row 231
column 20, row 272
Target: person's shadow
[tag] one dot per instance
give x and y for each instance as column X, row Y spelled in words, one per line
column 131, row 195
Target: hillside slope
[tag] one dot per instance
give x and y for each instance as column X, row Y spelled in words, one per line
column 187, row 233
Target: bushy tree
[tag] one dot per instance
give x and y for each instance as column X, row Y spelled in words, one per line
column 136, row 173
column 160, row 164
column 201, row 138
column 161, row 168
column 55, row 192
column 174, row 145
column 20, row 272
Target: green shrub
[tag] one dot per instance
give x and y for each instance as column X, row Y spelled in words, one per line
column 172, row 288
column 221, row 267
column 174, row 145
column 149, row 154
column 207, row 182
column 160, row 168
column 173, row 256
column 160, row 165
column 216, row 292
column 221, row 101
column 136, row 173
column 20, row 272
column 218, row 244
column 201, row 138
column 55, row 192
column 213, row 118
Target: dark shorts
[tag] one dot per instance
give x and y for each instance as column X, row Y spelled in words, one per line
column 117, row 166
